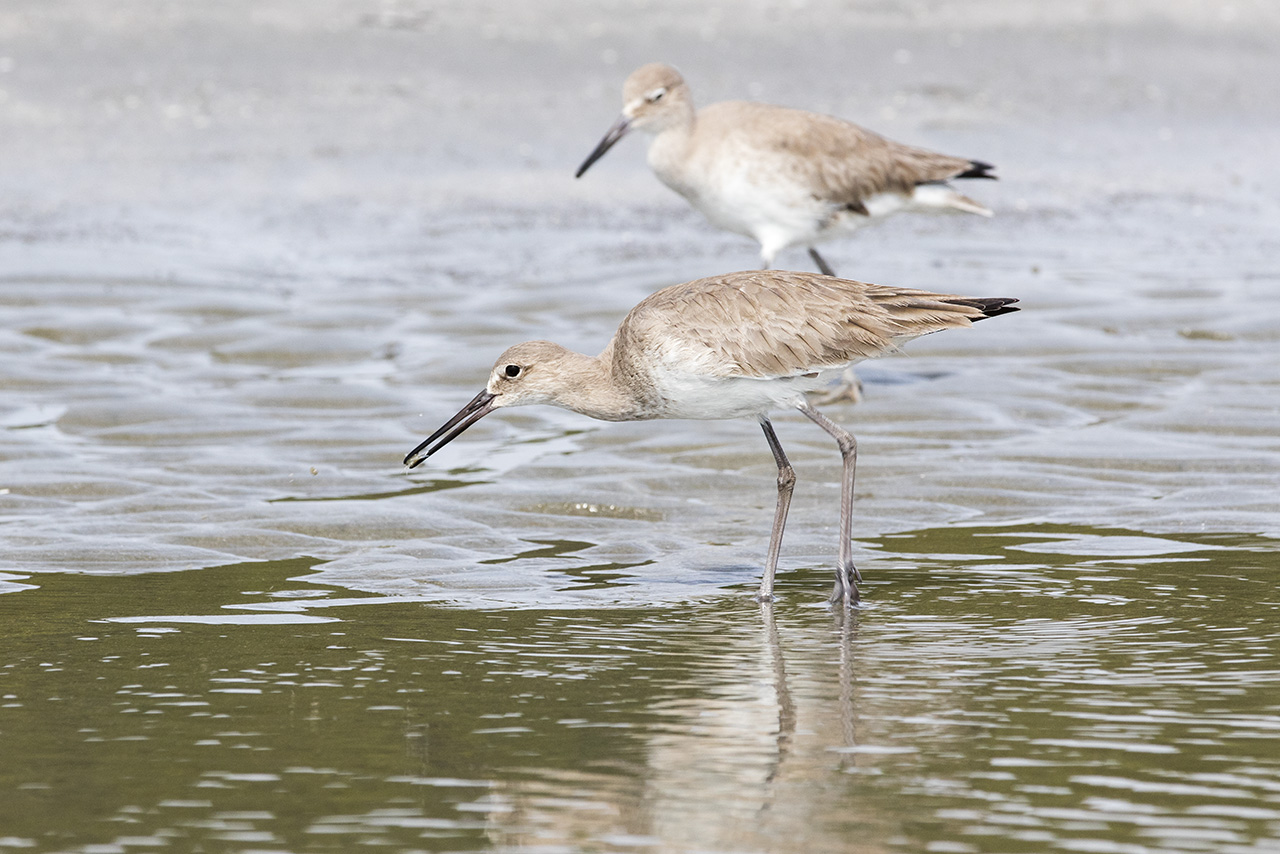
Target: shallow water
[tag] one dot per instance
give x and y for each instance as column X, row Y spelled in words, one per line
column 251, row 254
column 1003, row 689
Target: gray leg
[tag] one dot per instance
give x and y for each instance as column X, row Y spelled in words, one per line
column 786, row 483
column 822, row 264
column 847, row 574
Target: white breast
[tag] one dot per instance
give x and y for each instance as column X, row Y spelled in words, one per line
column 738, row 188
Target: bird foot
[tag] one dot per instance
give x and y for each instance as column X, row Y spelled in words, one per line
column 848, row 389
column 846, row 590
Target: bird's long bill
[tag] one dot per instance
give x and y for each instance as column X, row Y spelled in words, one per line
column 478, row 408
column 617, row 132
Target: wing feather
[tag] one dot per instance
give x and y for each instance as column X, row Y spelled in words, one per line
column 780, row 324
column 844, row 164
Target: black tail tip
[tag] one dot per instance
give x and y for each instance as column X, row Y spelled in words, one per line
column 994, row 306
column 989, row 306
column 978, row 169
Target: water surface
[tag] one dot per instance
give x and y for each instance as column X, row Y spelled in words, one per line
column 1003, row 689
column 251, row 253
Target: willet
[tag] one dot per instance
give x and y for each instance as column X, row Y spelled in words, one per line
column 780, row 176
column 729, row 346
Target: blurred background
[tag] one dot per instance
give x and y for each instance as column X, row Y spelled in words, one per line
column 251, row 253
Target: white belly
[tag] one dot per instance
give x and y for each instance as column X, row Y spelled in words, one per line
column 707, row 398
column 756, row 194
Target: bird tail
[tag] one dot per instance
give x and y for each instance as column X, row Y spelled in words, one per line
column 989, row 306
column 978, row 169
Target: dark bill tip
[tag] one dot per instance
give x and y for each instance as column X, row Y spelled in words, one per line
column 615, row 133
column 478, row 408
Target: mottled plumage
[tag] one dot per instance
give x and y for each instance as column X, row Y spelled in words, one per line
column 725, row 347
column 782, row 324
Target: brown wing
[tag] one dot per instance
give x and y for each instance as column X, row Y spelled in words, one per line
column 772, row 323
column 843, row 163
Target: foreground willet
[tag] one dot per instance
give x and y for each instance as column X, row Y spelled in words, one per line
column 780, row 176
column 729, row 346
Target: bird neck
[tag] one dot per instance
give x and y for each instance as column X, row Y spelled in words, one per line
column 670, row 149
column 590, row 385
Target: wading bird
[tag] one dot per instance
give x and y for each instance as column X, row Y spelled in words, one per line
column 733, row 346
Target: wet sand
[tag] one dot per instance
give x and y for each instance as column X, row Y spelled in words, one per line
column 247, row 242
column 250, row 254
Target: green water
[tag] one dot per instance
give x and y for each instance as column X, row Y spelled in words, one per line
column 252, row 253
column 1003, row 689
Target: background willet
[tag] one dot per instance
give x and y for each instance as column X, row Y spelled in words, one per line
column 242, row 240
column 729, row 346
column 781, row 176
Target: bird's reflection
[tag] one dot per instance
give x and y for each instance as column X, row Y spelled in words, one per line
column 844, row 635
column 847, row 634
column 786, row 704
column 741, row 757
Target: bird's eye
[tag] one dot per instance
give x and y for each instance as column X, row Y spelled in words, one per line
column 512, row 371
column 656, row 95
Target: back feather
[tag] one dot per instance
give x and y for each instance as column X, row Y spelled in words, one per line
column 780, row 324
